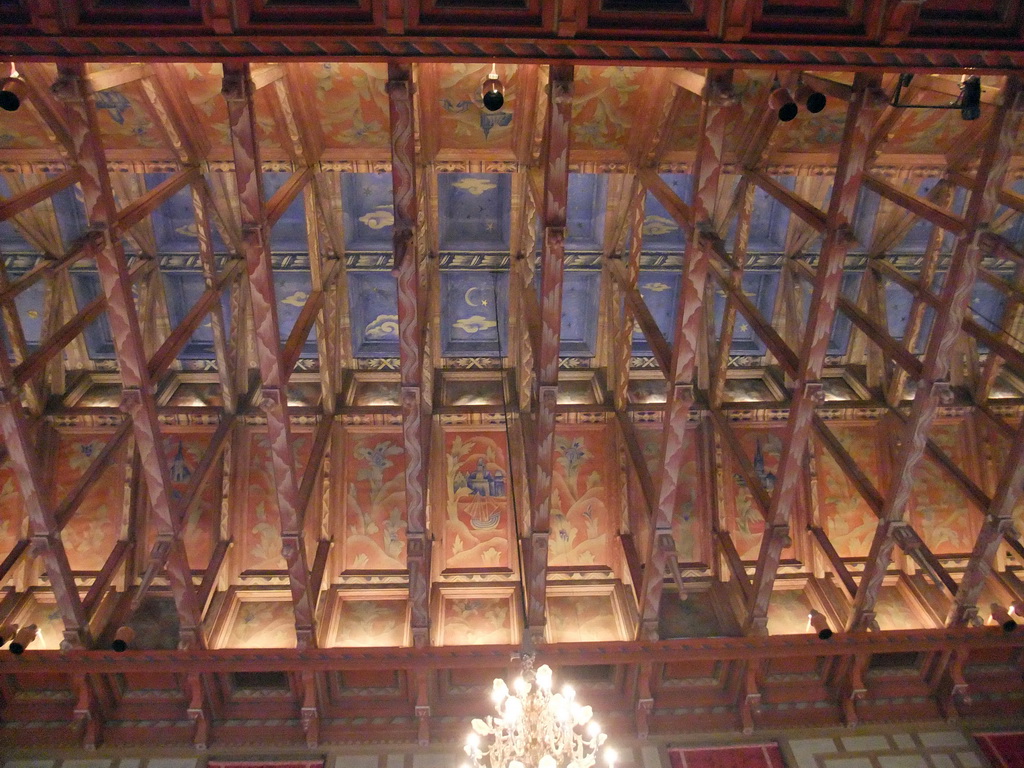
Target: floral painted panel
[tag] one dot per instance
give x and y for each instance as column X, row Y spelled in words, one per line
column 371, row 623
column 352, row 103
column 603, row 100
column 375, row 512
column 845, row 516
column 477, row 525
column 93, row 529
column 685, row 524
column 12, row 509
column 123, row 120
column 262, row 624
column 261, row 523
column 204, row 91
column 477, row 621
column 743, row 518
column 184, row 452
column 940, row 512
column 464, row 123
column 582, row 619
column 583, row 525
column 787, row 612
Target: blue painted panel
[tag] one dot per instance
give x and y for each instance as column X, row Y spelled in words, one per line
column 368, row 211
column 292, row 287
column 474, row 311
column 661, row 233
column 70, row 212
column 585, row 222
column 98, row 339
column 373, row 305
column 474, row 211
column 761, row 287
column 898, row 302
column 660, row 291
column 770, row 220
column 580, row 299
column 174, row 222
column 839, row 336
column 183, row 290
column 987, row 306
column 30, row 310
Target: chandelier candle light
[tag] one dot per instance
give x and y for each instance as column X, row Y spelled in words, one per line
column 536, row 728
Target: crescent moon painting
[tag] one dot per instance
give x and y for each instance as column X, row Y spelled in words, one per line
column 469, row 297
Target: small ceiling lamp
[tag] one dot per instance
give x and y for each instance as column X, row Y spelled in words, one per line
column 818, row 622
column 22, row 638
column 124, row 637
column 814, row 100
column 1001, row 617
column 12, row 91
column 492, row 91
column 1017, row 608
column 536, row 728
column 782, row 102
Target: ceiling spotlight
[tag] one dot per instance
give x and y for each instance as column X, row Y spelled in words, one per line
column 782, row 102
column 818, row 622
column 124, row 637
column 810, row 98
column 492, row 91
column 1002, row 618
column 1017, row 608
column 22, row 638
column 970, row 98
column 12, row 91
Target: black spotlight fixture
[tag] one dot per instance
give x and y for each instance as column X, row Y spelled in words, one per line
column 782, row 102
column 817, row 621
column 492, row 91
column 12, row 92
column 1002, row 618
column 814, row 100
column 124, row 637
column 968, row 102
column 22, row 638
column 970, row 98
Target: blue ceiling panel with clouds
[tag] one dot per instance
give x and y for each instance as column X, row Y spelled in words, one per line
column 183, row 290
column 760, row 286
column 373, row 305
column 369, row 211
column 292, row 287
column 661, row 233
column 474, row 211
column 660, row 290
column 580, row 294
column 587, row 202
column 474, row 311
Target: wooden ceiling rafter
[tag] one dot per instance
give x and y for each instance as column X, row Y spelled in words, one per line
column 137, row 388
column 406, row 267
column 930, row 387
column 239, row 94
column 861, row 115
column 677, row 433
column 555, row 197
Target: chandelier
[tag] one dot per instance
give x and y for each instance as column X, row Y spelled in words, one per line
column 536, row 728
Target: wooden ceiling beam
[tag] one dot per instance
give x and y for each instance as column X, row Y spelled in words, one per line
column 919, row 206
column 622, row 312
column 22, row 451
column 862, row 113
column 407, row 270
column 239, row 93
column 956, row 293
column 660, row 347
column 678, row 434
column 140, row 208
column 99, row 464
column 809, row 214
column 12, row 206
column 555, row 198
column 137, row 389
column 738, row 262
